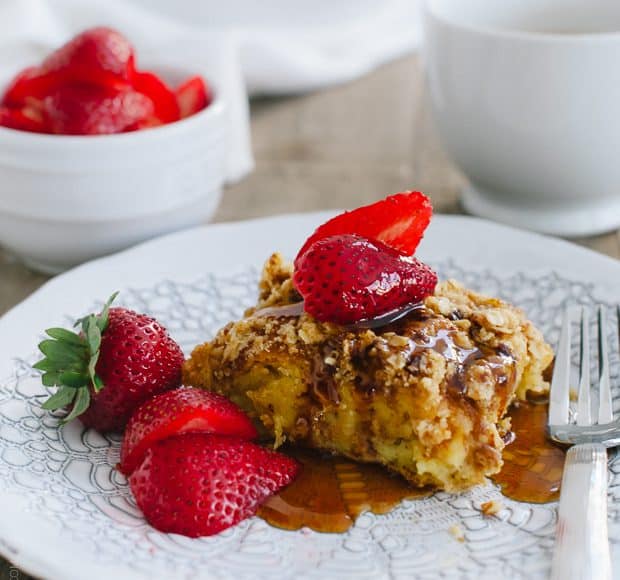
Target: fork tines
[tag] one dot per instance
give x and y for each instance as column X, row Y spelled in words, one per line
column 559, row 403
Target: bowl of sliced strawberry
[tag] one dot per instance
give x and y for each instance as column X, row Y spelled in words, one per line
column 96, row 148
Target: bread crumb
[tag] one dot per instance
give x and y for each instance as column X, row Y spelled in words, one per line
column 457, row 533
column 491, row 508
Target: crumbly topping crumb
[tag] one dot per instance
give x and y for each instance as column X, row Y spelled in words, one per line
column 457, row 533
column 491, row 508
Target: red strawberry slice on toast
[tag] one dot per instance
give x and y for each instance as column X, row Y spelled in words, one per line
column 398, row 221
column 180, row 411
column 198, row 484
column 345, row 279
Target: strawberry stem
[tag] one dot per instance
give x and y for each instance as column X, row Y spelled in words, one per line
column 70, row 361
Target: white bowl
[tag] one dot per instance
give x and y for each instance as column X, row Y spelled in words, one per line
column 526, row 95
column 67, row 199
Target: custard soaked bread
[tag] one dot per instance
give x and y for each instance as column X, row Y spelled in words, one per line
column 425, row 396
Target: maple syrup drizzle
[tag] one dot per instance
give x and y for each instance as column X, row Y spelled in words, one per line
column 331, row 492
column 533, row 465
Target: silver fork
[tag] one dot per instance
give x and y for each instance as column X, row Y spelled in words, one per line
column 582, row 544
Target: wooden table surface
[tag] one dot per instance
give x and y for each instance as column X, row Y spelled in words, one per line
column 342, row 147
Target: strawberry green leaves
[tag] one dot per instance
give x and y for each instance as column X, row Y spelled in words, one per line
column 64, row 396
column 80, row 404
column 70, row 360
column 62, row 358
column 65, row 335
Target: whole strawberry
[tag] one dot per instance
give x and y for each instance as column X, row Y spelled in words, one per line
column 198, row 484
column 346, row 279
column 118, row 361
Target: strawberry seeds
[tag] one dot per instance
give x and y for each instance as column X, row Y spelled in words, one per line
column 359, row 265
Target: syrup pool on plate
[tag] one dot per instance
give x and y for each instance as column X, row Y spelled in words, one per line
column 331, row 491
column 533, row 464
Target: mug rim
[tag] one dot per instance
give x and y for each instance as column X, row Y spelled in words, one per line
column 430, row 11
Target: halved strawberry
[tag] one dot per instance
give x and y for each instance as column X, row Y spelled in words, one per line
column 146, row 123
column 164, row 100
column 198, row 485
column 26, row 118
column 193, row 96
column 90, row 110
column 345, row 279
column 181, row 411
column 28, row 84
column 99, row 56
column 398, row 221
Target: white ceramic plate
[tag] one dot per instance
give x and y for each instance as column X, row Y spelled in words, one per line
column 67, row 514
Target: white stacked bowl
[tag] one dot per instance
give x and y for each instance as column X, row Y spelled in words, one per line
column 66, row 199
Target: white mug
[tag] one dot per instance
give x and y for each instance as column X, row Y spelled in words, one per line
column 526, row 96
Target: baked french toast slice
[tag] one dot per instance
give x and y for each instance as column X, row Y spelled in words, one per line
column 426, row 396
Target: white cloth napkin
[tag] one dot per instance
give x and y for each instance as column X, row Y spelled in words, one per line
column 290, row 46
column 240, row 46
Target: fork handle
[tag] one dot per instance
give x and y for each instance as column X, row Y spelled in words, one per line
column 582, row 544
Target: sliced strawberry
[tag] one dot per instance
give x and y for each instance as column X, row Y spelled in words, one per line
column 166, row 106
column 98, row 56
column 28, row 84
column 398, row 221
column 199, row 485
column 89, row 110
column 146, row 123
column 345, row 279
column 193, row 96
column 181, row 411
column 27, row 118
